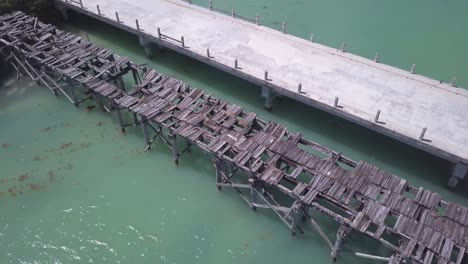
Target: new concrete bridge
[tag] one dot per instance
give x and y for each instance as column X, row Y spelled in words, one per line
column 422, row 112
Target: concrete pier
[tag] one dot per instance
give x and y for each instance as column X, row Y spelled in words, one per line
column 406, row 103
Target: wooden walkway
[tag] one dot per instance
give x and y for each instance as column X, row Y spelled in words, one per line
column 259, row 159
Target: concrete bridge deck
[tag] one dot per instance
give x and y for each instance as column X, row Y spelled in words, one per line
column 346, row 85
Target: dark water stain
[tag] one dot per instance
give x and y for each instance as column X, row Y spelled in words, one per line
column 51, row 175
column 23, row 177
column 66, row 145
column 12, row 191
column 81, row 146
column 266, row 236
column 37, row 158
column 47, row 129
column 90, row 108
column 34, row 187
column 69, row 166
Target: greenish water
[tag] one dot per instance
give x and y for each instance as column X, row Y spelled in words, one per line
column 73, row 189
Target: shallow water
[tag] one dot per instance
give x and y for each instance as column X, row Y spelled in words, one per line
column 74, row 189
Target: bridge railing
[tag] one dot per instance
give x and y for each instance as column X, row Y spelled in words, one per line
column 232, row 12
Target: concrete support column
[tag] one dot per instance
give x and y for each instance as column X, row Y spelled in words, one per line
column 269, row 95
column 147, row 45
column 62, row 10
column 459, row 172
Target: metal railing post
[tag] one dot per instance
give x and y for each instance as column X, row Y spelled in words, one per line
column 137, row 25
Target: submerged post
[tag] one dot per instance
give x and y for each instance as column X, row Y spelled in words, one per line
column 284, row 27
column 413, row 68
column 210, row 4
column 311, row 37
column 257, row 19
column 233, row 13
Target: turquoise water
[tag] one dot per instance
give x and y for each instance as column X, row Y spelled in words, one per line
column 74, row 189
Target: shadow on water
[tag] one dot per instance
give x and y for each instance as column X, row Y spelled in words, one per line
column 341, row 135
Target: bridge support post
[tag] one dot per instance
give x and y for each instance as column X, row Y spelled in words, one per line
column 269, row 95
column 144, row 127
column 220, row 169
column 296, row 215
column 71, row 89
column 459, row 172
column 175, row 155
column 99, row 102
column 147, row 45
column 253, row 193
column 341, row 235
column 119, row 117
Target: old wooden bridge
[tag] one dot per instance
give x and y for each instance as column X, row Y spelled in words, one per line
column 269, row 166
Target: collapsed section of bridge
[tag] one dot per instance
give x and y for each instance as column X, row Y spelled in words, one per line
column 269, row 166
